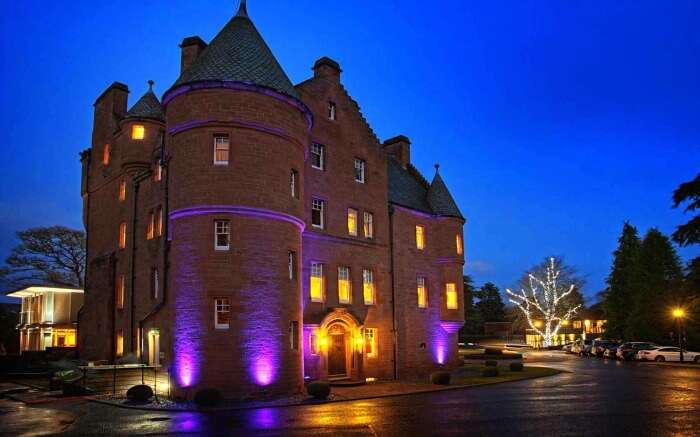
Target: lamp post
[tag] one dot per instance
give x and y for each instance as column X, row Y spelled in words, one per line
column 678, row 314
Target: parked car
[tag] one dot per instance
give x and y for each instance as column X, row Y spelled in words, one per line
column 598, row 347
column 567, row 347
column 582, row 347
column 628, row 350
column 610, row 351
column 668, row 353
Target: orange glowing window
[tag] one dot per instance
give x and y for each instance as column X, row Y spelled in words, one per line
column 122, row 235
column 451, row 296
column 119, row 346
column 138, row 131
column 313, row 343
column 159, row 221
column 368, row 286
column 105, row 154
column 150, row 225
column 458, row 241
column 422, row 292
column 344, row 287
column 120, row 292
column 317, row 282
column 158, row 172
column 370, row 342
column 352, row 222
column 122, row 190
column 420, row 237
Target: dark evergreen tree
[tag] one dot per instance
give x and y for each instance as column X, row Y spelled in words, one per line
column 472, row 321
column 688, row 233
column 490, row 306
column 622, row 282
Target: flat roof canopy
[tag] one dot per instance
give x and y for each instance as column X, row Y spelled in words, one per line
column 33, row 290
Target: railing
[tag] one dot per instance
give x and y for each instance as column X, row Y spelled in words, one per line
column 116, row 379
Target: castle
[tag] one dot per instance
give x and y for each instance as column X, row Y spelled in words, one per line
column 247, row 234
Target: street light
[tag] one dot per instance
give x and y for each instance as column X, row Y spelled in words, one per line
column 678, row 314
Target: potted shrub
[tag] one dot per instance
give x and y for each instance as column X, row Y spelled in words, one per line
column 139, row 393
column 319, row 389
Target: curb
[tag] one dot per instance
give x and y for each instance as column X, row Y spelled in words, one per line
column 303, row 404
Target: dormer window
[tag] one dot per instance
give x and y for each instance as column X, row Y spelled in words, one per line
column 331, row 111
column 138, row 131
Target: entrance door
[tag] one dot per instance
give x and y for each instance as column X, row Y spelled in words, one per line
column 336, row 355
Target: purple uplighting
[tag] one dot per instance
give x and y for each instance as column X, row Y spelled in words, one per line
column 237, row 210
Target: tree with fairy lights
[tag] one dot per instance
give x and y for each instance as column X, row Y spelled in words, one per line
column 545, row 300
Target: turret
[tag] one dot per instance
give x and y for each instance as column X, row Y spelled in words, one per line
column 142, row 127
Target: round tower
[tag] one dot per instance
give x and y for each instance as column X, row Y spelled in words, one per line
column 236, row 139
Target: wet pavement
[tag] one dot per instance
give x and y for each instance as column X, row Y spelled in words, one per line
column 597, row 398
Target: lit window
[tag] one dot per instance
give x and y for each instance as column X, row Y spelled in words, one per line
column 294, row 184
column 577, row 324
column 331, row 111
column 422, row 292
column 368, row 225
column 122, row 190
column 137, row 132
column 317, row 213
column 368, row 286
column 155, row 283
column 159, row 221
column 313, row 343
column 120, row 292
column 317, row 156
column 105, row 154
column 292, row 264
column 122, row 235
column 222, row 234
column 451, row 296
column 158, row 172
column 294, row 335
column 458, row 240
column 359, row 171
column 352, row 221
column 119, row 346
column 371, row 342
column 420, row 237
column 222, row 312
column 317, row 282
column 150, row 225
column 221, row 150
column 344, row 288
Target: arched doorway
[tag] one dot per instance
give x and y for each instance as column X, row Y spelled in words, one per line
column 337, row 351
column 340, row 332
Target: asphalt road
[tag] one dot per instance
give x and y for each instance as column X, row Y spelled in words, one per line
column 597, row 397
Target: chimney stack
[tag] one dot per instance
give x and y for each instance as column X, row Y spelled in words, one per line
column 192, row 47
column 326, row 67
column 400, row 148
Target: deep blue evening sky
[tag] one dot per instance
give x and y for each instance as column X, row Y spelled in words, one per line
column 553, row 121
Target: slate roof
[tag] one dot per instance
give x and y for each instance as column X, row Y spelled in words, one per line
column 239, row 54
column 408, row 188
column 148, row 106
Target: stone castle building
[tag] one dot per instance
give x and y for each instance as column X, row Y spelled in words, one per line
column 247, row 234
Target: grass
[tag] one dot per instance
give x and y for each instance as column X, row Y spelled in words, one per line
column 480, row 354
column 504, row 374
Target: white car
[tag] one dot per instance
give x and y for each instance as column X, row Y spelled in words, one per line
column 667, row 353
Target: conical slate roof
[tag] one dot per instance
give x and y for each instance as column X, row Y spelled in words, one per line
column 440, row 199
column 148, row 106
column 239, row 54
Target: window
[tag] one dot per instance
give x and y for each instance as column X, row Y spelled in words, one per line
column 122, row 190
column 331, row 111
column 458, row 241
column 359, row 171
column 371, row 342
column 222, row 234
column 368, row 225
column 292, row 264
column 105, row 154
column 150, row 225
column 368, row 286
column 577, row 324
column 122, row 235
column 344, row 287
column 119, row 343
column 137, row 132
column 313, row 343
column 317, row 213
column 222, row 312
column 451, row 296
column 317, row 156
column 159, row 221
column 317, row 282
column 155, row 283
column 422, row 292
column 120, row 292
column 294, row 184
column 294, row 335
column 221, row 150
column 352, row 222
column 158, row 172
column 420, row 237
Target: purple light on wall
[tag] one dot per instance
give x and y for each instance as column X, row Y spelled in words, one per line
column 237, row 210
column 440, row 352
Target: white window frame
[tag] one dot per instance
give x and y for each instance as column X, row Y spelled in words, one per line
column 420, row 283
column 292, row 264
column 318, row 205
column 294, row 183
column 368, row 278
column 222, row 227
column 420, row 243
column 356, row 213
column 317, row 272
column 320, row 150
column 221, row 305
column 344, row 274
column 371, row 333
column 219, row 140
column 332, row 111
column 368, row 225
column 360, row 165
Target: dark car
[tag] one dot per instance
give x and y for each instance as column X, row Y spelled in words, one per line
column 610, row 351
column 599, row 347
column 627, row 351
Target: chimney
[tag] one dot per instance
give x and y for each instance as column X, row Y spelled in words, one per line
column 326, row 67
column 110, row 107
column 192, row 47
column 400, row 148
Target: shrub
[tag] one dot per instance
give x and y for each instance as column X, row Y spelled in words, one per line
column 208, row 397
column 491, row 363
column 139, row 393
column 516, row 367
column 319, row 389
column 440, row 378
column 493, row 351
column 489, row 371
